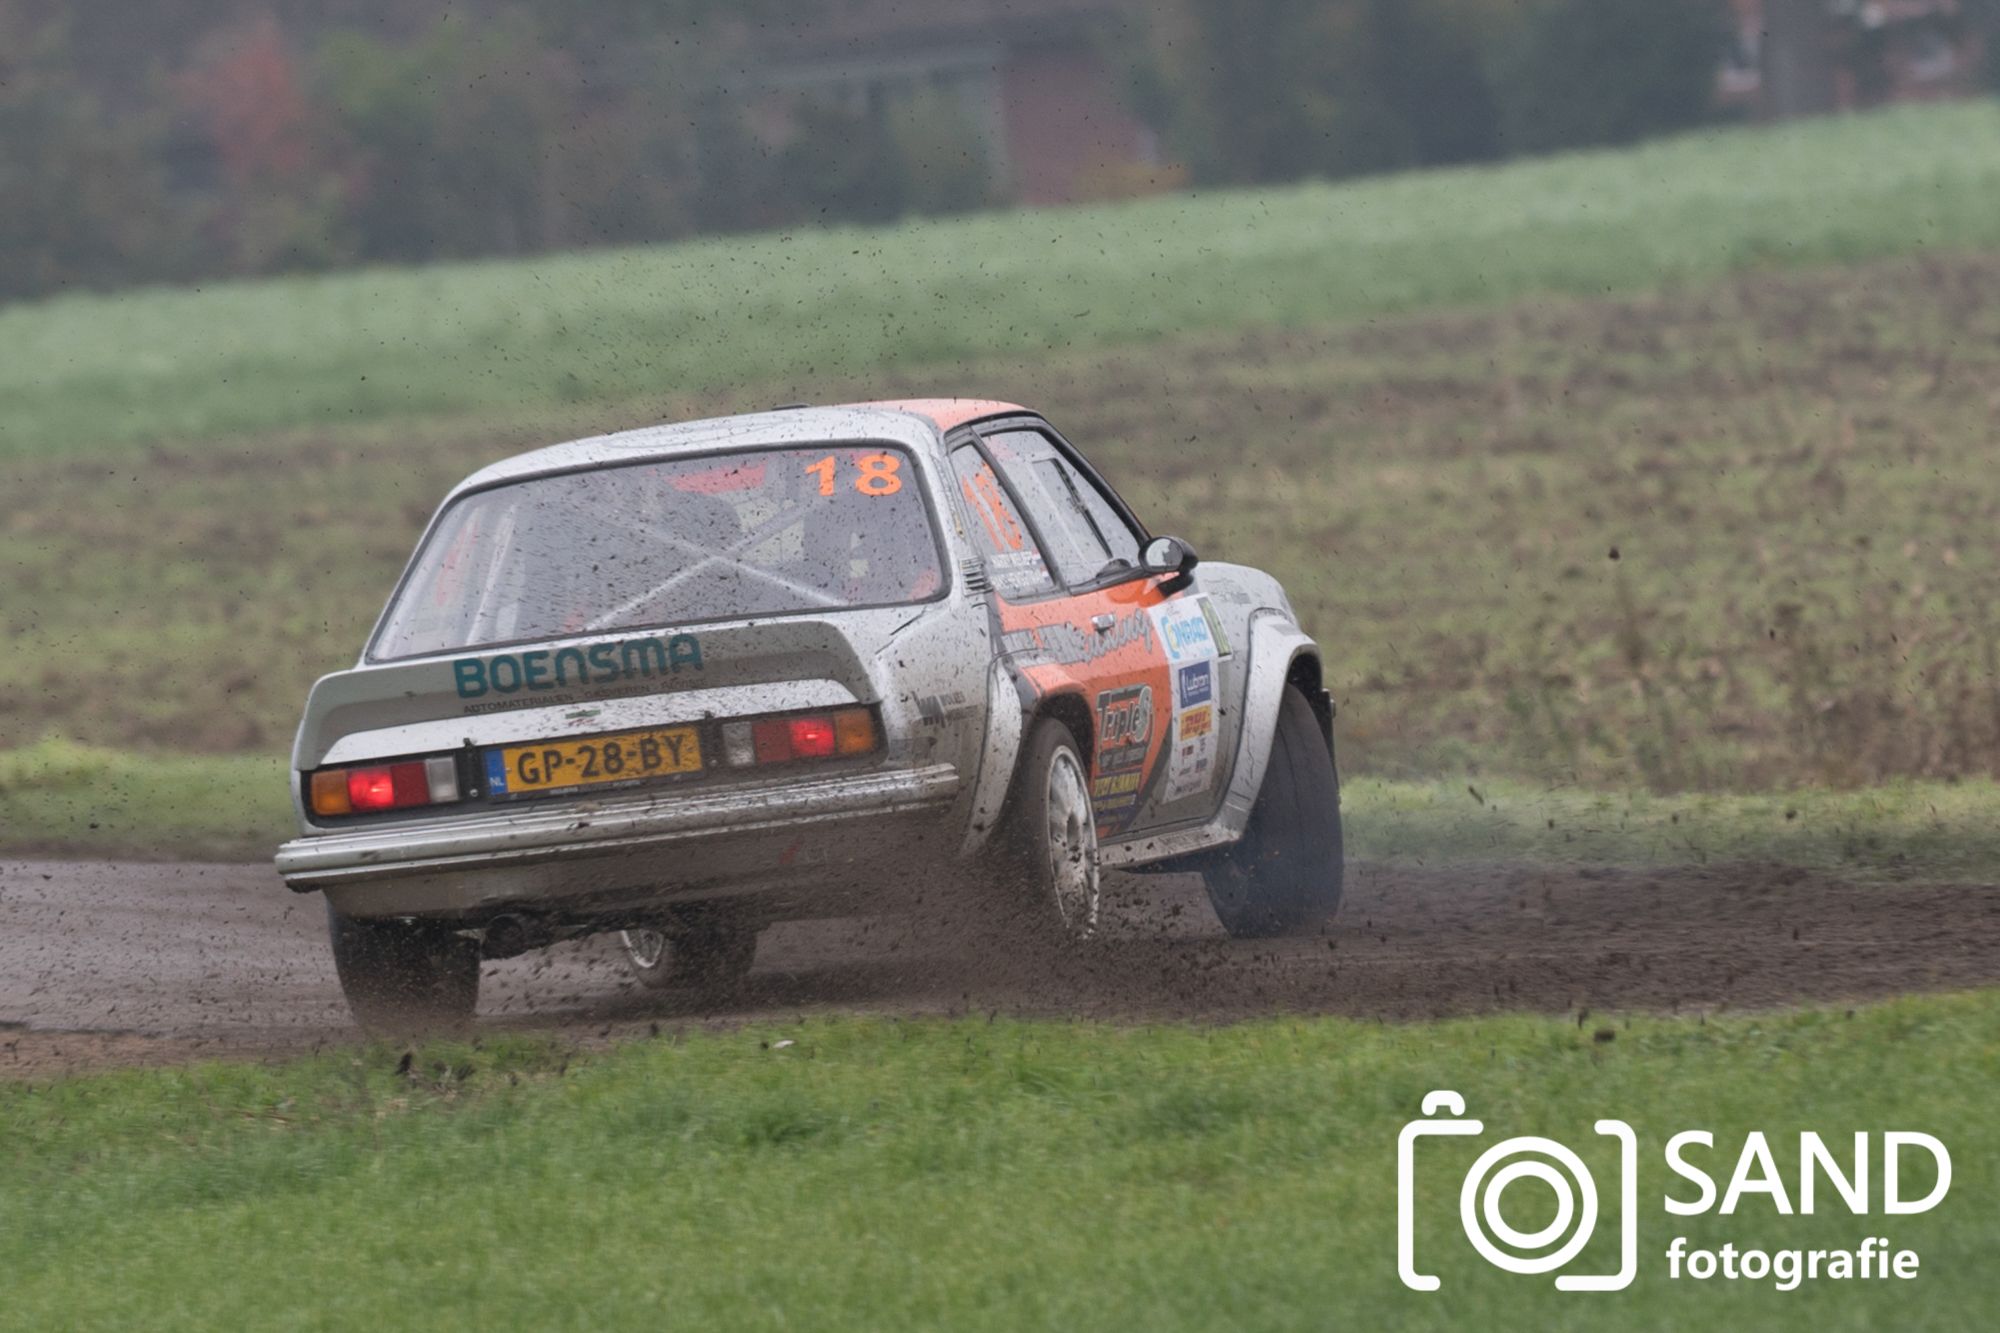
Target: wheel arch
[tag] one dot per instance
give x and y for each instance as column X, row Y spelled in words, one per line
column 1279, row 654
column 1306, row 674
column 1011, row 718
column 1072, row 710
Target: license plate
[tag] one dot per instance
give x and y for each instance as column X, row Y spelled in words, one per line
column 592, row 761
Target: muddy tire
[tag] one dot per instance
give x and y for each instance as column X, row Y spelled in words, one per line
column 404, row 976
column 1048, row 884
column 1284, row 876
column 710, row 959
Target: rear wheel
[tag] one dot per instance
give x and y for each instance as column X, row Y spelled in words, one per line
column 1048, row 847
column 402, row 975
column 1284, row 876
column 712, row 958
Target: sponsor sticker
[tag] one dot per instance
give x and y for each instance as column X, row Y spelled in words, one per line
column 1188, row 633
column 1117, row 784
column 540, row 670
column 1215, row 627
column 1191, row 761
column 1124, row 732
column 1195, row 683
column 1124, row 727
column 1018, row 571
column 1184, row 630
column 1064, row 644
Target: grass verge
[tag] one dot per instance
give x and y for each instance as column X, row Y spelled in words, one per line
column 870, row 1174
column 81, row 373
column 1901, row 831
column 61, row 798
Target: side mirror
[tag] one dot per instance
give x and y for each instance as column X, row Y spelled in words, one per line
column 1169, row 555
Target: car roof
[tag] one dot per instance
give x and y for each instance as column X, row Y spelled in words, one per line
column 916, row 422
column 948, row 413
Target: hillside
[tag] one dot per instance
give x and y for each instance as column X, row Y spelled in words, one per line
column 570, row 333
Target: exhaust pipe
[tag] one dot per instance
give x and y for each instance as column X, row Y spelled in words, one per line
column 510, row 934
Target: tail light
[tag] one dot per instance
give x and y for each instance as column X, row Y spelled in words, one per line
column 376, row 787
column 782, row 740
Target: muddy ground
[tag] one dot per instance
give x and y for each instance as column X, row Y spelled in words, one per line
column 112, row 964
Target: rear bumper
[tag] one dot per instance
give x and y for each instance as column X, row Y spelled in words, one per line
column 656, row 846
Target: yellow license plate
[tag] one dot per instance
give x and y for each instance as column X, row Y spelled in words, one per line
column 553, row 765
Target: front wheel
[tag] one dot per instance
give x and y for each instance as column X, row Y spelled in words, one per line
column 1284, row 876
column 712, row 958
column 402, row 975
column 1049, row 844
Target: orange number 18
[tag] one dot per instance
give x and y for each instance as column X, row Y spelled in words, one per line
column 878, row 474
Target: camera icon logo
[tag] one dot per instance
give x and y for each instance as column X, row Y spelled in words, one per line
column 1526, row 1157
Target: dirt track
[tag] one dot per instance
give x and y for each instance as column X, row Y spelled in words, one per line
column 104, row 963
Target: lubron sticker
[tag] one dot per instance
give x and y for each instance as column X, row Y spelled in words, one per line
column 554, row 669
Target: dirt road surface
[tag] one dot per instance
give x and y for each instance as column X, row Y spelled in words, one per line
column 119, row 963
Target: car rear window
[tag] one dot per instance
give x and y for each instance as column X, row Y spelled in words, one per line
column 712, row 537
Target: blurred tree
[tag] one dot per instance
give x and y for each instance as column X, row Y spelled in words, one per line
column 1982, row 17
column 1587, row 72
column 739, row 177
column 942, row 157
column 840, row 164
column 281, row 197
column 450, row 134
column 481, row 139
column 907, row 150
column 190, row 136
column 85, row 204
column 1267, row 90
column 1243, row 91
column 1427, row 66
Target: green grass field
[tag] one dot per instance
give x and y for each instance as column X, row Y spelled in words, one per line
column 1793, row 470
column 779, row 311
column 963, row 1174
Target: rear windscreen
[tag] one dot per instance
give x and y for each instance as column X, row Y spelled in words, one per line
column 647, row 545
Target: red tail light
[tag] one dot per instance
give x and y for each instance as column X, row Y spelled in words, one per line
column 391, row 787
column 376, row 787
column 780, row 740
column 774, row 741
column 812, row 737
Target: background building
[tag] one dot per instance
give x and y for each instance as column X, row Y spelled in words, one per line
column 1029, row 82
column 1807, row 57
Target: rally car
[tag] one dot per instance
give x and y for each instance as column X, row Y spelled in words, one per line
column 683, row 681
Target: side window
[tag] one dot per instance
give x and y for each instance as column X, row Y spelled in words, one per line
column 1107, row 523
column 1086, row 537
column 1013, row 561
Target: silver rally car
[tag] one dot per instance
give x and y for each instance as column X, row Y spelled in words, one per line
column 683, row 681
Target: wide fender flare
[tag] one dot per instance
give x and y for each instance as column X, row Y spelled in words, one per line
column 1276, row 643
column 1005, row 718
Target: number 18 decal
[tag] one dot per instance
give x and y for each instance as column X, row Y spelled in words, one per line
column 875, row 474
